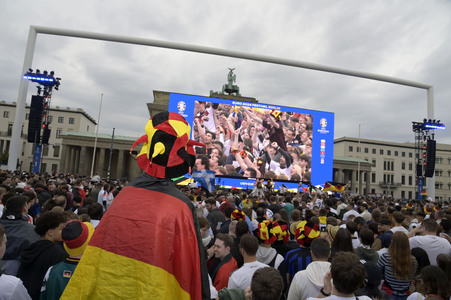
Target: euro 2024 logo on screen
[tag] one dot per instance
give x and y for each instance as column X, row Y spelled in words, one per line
column 323, row 123
column 181, row 106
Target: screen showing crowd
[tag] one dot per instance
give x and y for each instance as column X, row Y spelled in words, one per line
column 252, row 142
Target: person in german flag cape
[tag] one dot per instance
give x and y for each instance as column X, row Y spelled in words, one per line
column 148, row 244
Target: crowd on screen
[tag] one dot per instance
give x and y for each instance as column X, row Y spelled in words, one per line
column 253, row 142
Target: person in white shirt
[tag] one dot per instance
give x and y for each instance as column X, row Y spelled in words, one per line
column 350, row 211
column 242, row 277
column 429, row 241
column 397, row 218
column 308, row 282
column 348, row 274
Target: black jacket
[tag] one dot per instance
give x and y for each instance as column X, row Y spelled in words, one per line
column 34, row 263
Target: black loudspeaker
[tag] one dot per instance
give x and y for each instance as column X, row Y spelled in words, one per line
column 419, row 170
column 35, row 119
column 430, row 159
column 46, row 135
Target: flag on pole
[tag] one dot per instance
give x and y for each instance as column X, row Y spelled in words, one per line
column 205, row 178
column 424, row 193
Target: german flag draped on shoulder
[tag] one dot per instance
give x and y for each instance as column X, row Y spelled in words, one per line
column 148, row 244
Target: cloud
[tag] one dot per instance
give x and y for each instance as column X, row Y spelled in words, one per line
column 411, row 42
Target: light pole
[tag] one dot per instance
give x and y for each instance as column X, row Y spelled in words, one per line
column 95, row 140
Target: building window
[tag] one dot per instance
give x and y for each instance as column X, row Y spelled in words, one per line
column 403, row 179
column 403, row 166
column 350, row 149
column 410, row 154
column 58, row 132
column 45, row 150
column 373, row 151
column 6, row 114
column 366, row 150
column 439, row 185
column 410, row 180
column 373, row 177
column 60, row 119
column 396, row 153
column 43, row 167
column 410, row 194
column 410, row 166
column 438, row 173
column 56, row 151
column 382, row 152
column 403, row 154
column 388, row 152
column 439, row 160
column 27, row 116
column 71, row 121
column 54, row 167
column 10, row 129
column 359, row 149
column 50, row 118
column 403, row 194
column 374, row 162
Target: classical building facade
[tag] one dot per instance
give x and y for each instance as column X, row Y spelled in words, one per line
column 62, row 120
column 393, row 168
column 112, row 157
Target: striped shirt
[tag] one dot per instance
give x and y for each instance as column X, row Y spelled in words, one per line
column 399, row 286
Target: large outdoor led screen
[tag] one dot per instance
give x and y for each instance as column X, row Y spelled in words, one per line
column 248, row 140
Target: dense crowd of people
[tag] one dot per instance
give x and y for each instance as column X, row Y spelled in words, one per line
column 258, row 244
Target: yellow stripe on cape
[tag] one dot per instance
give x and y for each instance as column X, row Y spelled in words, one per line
column 100, row 281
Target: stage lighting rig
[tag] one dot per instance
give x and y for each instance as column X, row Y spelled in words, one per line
column 432, row 124
column 44, row 79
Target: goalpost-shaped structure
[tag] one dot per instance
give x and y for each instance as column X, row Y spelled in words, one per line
column 31, row 43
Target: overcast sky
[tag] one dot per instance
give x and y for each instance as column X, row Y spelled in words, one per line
column 407, row 39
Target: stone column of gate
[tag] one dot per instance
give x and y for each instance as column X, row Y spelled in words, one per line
column 368, row 182
column 83, row 162
column 353, row 180
column 340, row 175
column 120, row 164
column 62, row 168
column 71, row 160
column 100, row 159
column 360, row 183
column 77, row 161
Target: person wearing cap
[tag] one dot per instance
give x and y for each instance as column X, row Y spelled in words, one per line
column 385, row 236
column 148, row 244
column 298, row 259
column 268, row 233
column 11, row 287
column 76, row 236
column 308, row 282
column 39, row 256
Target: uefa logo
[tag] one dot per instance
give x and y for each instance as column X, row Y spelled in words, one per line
column 323, row 123
column 181, row 106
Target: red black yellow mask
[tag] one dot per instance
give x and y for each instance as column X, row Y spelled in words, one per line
column 167, row 151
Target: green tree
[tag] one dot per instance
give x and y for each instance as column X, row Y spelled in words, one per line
column 4, row 158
